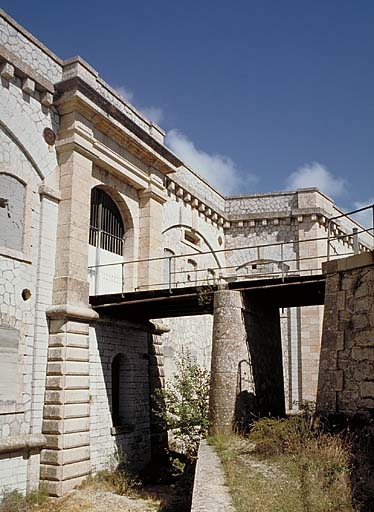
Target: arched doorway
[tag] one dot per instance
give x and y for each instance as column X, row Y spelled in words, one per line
column 106, row 239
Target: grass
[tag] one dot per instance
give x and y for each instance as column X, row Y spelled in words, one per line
column 14, row 501
column 286, row 466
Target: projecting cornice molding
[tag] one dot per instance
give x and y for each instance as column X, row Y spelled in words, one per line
column 76, row 94
column 13, row 69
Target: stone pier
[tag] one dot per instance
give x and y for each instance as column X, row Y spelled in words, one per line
column 247, row 376
column 346, row 373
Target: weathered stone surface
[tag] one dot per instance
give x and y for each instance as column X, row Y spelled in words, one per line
column 348, row 354
column 210, row 492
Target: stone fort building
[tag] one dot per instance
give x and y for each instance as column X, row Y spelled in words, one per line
column 86, row 183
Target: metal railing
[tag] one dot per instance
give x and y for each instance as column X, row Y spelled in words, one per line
column 272, row 260
column 333, row 225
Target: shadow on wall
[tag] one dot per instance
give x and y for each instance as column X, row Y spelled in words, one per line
column 120, row 406
column 260, row 383
column 262, row 323
column 245, row 412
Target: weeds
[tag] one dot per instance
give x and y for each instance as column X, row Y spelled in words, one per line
column 287, row 465
column 15, row 501
column 115, row 480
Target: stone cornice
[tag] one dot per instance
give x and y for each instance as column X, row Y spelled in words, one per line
column 139, row 141
column 153, row 192
column 12, row 69
column 204, row 207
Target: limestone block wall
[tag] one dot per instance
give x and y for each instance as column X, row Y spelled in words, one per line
column 259, row 203
column 27, row 252
column 23, row 45
column 192, row 335
column 346, row 374
column 129, row 442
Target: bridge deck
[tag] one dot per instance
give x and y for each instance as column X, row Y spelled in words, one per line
column 163, row 303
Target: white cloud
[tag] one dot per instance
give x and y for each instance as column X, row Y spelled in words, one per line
column 125, row 93
column 317, row 175
column 219, row 170
column 154, row 114
column 366, row 217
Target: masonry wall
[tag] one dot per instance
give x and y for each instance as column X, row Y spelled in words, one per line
column 129, row 442
column 346, row 374
column 27, row 251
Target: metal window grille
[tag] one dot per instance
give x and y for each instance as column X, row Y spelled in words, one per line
column 106, row 226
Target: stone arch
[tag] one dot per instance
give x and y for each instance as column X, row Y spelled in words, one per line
column 127, row 219
column 119, row 275
column 9, row 133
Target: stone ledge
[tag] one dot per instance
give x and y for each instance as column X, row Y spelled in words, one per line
column 71, row 311
column 364, row 259
column 210, row 493
column 16, row 443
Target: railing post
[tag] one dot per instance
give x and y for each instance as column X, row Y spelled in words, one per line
column 282, row 264
column 328, row 240
column 372, row 212
column 355, row 240
column 170, row 267
column 123, row 277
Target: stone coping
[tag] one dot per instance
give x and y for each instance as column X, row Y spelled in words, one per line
column 27, row 441
column 364, row 259
column 210, row 493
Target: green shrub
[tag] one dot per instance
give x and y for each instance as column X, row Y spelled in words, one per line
column 273, row 437
column 183, row 405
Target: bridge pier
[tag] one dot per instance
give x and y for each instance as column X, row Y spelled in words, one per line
column 246, row 369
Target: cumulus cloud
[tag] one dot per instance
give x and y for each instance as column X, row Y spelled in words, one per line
column 125, row 93
column 317, row 175
column 219, row 170
column 154, row 114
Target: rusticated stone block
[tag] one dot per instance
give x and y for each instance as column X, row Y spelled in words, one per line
column 68, row 440
column 60, row 488
column 367, row 389
column 66, row 456
column 65, row 472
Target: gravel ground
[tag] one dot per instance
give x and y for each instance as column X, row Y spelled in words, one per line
column 103, row 501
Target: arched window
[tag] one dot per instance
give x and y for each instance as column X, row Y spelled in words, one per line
column 106, row 225
column 123, row 392
column 12, row 207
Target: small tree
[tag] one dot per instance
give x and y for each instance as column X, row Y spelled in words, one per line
column 184, row 404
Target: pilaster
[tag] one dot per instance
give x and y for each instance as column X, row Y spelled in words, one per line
column 150, row 237
column 66, row 416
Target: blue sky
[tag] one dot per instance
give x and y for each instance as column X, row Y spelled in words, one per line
column 259, row 95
